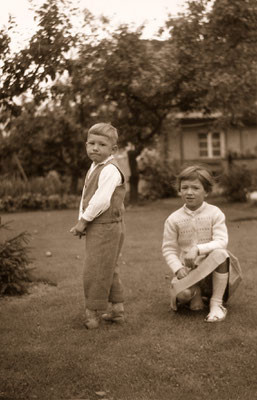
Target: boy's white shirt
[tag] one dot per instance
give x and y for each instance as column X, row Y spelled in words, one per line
column 109, row 179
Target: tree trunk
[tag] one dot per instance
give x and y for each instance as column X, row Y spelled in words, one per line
column 134, row 176
column 20, row 167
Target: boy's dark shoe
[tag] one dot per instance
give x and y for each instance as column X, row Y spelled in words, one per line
column 116, row 314
column 92, row 319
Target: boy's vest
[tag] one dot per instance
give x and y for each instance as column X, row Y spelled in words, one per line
column 115, row 211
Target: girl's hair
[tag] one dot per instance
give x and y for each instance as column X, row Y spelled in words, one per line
column 103, row 129
column 197, row 172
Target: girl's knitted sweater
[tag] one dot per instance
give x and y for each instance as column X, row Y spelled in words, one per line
column 204, row 227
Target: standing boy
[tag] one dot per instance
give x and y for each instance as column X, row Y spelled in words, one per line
column 101, row 220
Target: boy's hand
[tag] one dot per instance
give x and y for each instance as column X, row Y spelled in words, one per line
column 181, row 273
column 191, row 256
column 79, row 228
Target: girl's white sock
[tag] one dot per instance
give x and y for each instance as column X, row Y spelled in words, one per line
column 219, row 284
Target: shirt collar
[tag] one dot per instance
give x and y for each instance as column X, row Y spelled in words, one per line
column 94, row 165
column 190, row 212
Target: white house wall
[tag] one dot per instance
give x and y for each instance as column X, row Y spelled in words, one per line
column 243, row 142
column 190, row 144
column 182, row 145
column 233, row 141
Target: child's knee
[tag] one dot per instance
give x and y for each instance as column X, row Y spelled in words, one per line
column 221, row 257
column 224, row 267
column 186, row 295
column 220, row 253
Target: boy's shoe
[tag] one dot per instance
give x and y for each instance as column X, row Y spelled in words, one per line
column 92, row 319
column 196, row 304
column 217, row 314
column 116, row 314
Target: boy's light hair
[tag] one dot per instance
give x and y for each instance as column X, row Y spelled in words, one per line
column 104, row 129
column 197, row 172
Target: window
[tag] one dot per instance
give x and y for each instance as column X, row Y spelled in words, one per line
column 210, row 144
column 203, row 144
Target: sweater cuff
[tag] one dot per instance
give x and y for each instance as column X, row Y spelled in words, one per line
column 201, row 249
column 176, row 268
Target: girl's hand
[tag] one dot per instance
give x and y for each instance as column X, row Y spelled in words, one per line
column 191, row 256
column 181, row 273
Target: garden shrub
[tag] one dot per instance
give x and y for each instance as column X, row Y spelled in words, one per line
column 157, row 174
column 37, row 201
column 31, row 201
column 14, row 262
column 48, row 185
column 236, row 183
column 40, row 193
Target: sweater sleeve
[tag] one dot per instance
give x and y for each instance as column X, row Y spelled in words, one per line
column 219, row 235
column 170, row 248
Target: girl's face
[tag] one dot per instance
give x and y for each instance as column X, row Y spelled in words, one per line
column 99, row 148
column 192, row 193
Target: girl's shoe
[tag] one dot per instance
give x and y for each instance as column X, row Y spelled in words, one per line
column 116, row 314
column 92, row 319
column 217, row 314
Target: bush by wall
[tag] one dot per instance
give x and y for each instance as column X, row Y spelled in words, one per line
column 158, row 176
column 237, row 182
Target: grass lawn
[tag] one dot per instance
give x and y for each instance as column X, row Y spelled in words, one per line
column 46, row 353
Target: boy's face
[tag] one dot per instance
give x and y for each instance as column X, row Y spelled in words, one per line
column 192, row 193
column 99, row 148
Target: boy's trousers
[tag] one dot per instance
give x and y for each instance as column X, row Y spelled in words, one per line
column 101, row 278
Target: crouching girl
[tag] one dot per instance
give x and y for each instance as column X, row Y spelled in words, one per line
column 195, row 248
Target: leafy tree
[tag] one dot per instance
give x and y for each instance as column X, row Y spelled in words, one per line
column 216, row 51
column 31, row 71
column 127, row 77
column 208, row 63
column 64, row 145
column 46, row 140
column 41, row 61
column 232, row 67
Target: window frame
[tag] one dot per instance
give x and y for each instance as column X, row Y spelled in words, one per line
column 209, row 149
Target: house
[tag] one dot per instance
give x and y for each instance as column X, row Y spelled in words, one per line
column 196, row 139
